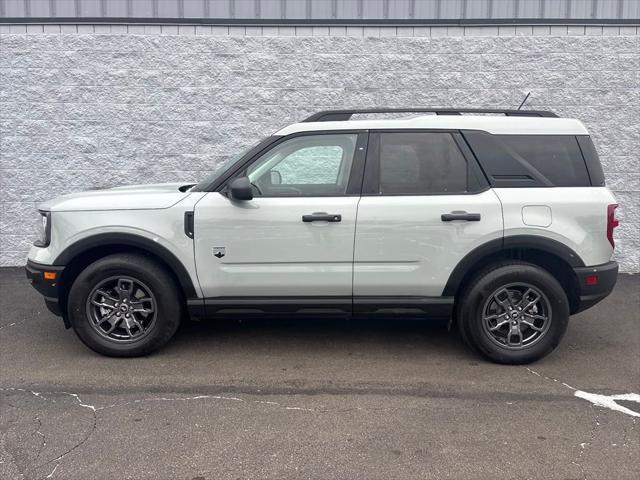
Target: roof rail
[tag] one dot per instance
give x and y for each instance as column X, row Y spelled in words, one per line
column 342, row 115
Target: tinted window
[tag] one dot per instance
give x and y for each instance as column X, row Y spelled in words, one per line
column 313, row 165
column 591, row 159
column 556, row 157
column 501, row 168
column 421, row 163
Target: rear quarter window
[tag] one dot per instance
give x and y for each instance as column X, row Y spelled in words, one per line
column 592, row 160
column 530, row 160
column 556, row 157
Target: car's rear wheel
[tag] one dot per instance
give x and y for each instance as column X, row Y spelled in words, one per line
column 124, row 305
column 513, row 313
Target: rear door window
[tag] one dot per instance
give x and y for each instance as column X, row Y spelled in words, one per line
column 420, row 163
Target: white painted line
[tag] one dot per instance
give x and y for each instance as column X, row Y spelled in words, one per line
column 609, row 401
column 606, row 401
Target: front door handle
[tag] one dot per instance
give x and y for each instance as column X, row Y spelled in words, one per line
column 322, row 217
column 459, row 215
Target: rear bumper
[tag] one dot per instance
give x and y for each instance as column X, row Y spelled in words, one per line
column 48, row 288
column 591, row 293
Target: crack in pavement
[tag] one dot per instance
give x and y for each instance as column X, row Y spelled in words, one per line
column 625, row 438
column 95, row 409
column 199, row 397
column 585, row 445
column 53, row 471
column 42, row 436
column 77, row 445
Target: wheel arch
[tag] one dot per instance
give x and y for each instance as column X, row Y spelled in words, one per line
column 80, row 254
column 553, row 256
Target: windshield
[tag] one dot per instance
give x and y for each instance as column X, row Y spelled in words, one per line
column 222, row 168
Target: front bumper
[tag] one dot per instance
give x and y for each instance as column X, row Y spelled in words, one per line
column 49, row 288
column 595, row 283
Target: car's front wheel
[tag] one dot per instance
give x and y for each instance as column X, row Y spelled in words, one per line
column 124, row 305
column 513, row 313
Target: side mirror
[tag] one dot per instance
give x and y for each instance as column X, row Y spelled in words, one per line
column 275, row 177
column 240, row 188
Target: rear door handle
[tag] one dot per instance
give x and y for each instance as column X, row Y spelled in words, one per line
column 469, row 217
column 322, row 217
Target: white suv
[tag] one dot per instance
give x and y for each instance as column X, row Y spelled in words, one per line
column 498, row 220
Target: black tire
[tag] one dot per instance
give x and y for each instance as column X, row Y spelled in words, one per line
column 477, row 304
column 149, row 275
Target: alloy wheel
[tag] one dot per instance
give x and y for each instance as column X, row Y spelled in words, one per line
column 122, row 309
column 516, row 316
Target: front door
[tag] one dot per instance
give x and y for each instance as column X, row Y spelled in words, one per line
column 293, row 242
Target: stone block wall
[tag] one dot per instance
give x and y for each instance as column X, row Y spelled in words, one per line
column 93, row 108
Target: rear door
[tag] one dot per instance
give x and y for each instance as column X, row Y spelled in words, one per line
column 425, row 205
column 292, row 244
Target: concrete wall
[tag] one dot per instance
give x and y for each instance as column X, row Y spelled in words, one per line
column 80, row 109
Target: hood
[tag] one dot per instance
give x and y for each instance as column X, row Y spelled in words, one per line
column 133, row 197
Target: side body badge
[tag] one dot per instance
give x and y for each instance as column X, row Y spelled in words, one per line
column 219, row 252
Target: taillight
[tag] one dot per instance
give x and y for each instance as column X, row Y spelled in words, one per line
column 591, row 280
column 612, row 222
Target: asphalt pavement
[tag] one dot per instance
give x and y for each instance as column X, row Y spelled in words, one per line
column 319, row 399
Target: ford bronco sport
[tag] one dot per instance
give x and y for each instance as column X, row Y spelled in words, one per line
column 498, row 220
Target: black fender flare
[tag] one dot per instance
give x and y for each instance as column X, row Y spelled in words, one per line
column 529, row 242
column 130, row 240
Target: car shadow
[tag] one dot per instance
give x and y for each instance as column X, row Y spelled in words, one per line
column 315, row 334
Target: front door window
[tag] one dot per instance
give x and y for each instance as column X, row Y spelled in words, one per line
column 307, row 166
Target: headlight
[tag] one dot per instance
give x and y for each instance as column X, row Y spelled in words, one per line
column 44, row 229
